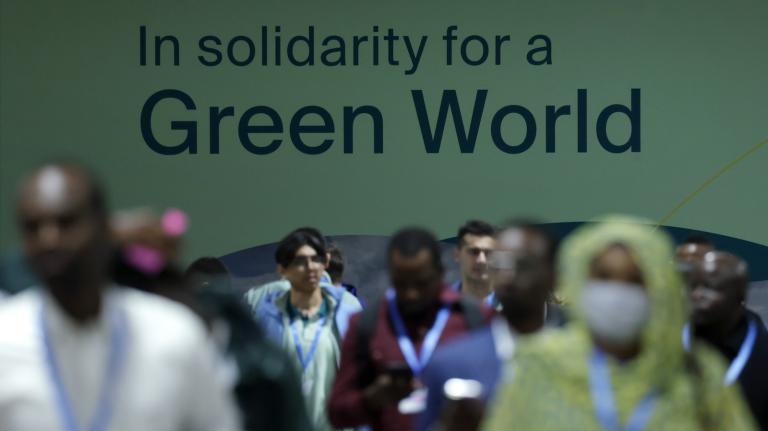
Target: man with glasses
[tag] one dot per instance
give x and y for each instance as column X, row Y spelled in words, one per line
column 475, row 241
column 309, row 319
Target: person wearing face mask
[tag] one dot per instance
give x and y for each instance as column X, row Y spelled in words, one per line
column 718, row 285
column 391, row 342
column 619, row 364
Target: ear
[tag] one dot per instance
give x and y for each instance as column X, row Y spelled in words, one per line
column 281, row 270
column 456, row 253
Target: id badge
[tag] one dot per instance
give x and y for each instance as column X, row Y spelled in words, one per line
column 306, row 386
column 416, row 402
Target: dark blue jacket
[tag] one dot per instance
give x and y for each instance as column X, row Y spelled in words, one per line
column 471, row 357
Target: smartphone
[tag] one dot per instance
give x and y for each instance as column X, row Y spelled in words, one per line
column 399, row 372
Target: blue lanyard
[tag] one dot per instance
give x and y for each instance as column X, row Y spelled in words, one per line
column 305, row 360
column 456, row 286
column 103, row 414
column 417, row 363
column 490, row 299
column 741, row 359
column 604, row 403
column 686, row 337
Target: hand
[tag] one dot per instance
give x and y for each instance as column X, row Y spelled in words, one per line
column 385, row 391
column 462, row 415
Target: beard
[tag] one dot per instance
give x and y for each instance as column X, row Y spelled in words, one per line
column 413, row 308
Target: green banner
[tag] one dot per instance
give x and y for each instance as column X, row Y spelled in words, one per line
column 361, row 117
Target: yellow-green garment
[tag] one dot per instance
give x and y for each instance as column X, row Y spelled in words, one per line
column 550, row 389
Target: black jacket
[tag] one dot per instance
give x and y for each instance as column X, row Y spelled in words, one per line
column 754, row 377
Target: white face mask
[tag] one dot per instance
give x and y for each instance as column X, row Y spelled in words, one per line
column 615, row 312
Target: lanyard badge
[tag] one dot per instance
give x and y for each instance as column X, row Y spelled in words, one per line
column 605, row 404
column 741, row 359
column 416, row 362
column 306, row 360
column 118, row 344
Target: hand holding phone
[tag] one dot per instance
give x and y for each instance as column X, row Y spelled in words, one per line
column 392, row 385
column 400, row 373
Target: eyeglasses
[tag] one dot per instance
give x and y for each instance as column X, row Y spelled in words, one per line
column 306, row 260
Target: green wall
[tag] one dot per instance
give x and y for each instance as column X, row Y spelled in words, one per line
column 71, row 86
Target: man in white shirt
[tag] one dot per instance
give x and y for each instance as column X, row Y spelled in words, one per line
column 81, row 354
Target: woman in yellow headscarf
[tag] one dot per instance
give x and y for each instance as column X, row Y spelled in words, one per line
column 620, row 363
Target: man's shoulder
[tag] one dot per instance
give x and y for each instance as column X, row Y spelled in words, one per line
column 754, row 316
column 760, row 349
column 453, row 359
column 354, row 319
column 479, row 342
column 17, row 316
column 160, row 318
column 19, row 303
column 711, row 366
column 257, row 294
column 348, row 300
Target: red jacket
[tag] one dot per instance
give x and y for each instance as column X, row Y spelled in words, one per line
column 346, row 407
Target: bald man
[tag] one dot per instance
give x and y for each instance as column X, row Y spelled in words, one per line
column 690, row 251
column 718, row 283
column 694, row 247
column 78, row 352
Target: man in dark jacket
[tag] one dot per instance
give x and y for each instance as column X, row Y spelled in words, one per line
column 718, row 287
column 388, row 345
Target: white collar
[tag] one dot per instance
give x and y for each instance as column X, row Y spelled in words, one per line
column 503, row 338
column 61, row 322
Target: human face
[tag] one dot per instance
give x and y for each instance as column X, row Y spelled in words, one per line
column 614, row 302
column 716, row 293
column 416, row 280
column 689, row 255
column 305, row 269
column 472, row 256
column 616, row 263
column 691, row 251
column 521, row 273
column 65, row 240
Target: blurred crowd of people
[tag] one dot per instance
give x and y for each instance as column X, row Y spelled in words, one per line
column 612, row 328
